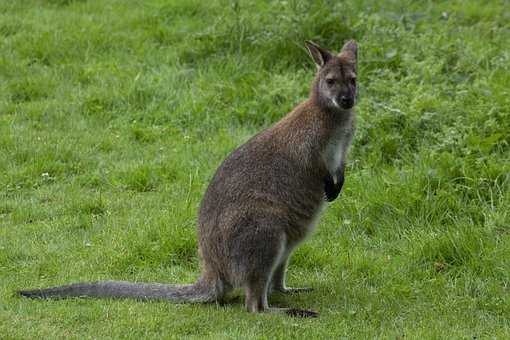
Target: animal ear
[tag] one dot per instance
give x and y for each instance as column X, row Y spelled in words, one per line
column 350, row 51
column 319, row 55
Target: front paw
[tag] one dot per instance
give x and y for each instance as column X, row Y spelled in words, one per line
column 331, row 190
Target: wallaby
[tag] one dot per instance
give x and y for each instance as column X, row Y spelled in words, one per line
column 264, row 199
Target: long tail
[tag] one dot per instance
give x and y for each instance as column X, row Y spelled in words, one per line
column 200, row 292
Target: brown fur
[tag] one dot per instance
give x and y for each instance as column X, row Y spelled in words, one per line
column 265, row 195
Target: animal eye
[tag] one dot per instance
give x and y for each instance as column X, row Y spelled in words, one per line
column 353, row 80
column 330, row 81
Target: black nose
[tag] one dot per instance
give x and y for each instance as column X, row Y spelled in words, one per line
column 346, row 102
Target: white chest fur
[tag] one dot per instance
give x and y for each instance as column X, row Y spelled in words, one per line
column 336, row 149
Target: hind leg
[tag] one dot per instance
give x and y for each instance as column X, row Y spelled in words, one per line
column 256, row 297
column 256, row 302
column 263, row 259
column 278, row 281
column 259, row 262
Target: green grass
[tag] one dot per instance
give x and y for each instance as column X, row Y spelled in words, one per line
column 115, row 114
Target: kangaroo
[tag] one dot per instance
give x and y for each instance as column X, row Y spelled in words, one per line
column 264, row 199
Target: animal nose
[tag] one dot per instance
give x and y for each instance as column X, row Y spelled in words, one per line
column 346, row 100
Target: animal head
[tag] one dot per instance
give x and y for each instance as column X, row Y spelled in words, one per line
column 336, row 79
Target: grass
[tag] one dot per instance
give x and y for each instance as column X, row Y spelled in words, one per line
column 115, row 114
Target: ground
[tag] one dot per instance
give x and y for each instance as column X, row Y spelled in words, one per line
column 114, row 116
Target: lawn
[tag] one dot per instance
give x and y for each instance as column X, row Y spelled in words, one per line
column 115, row 114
